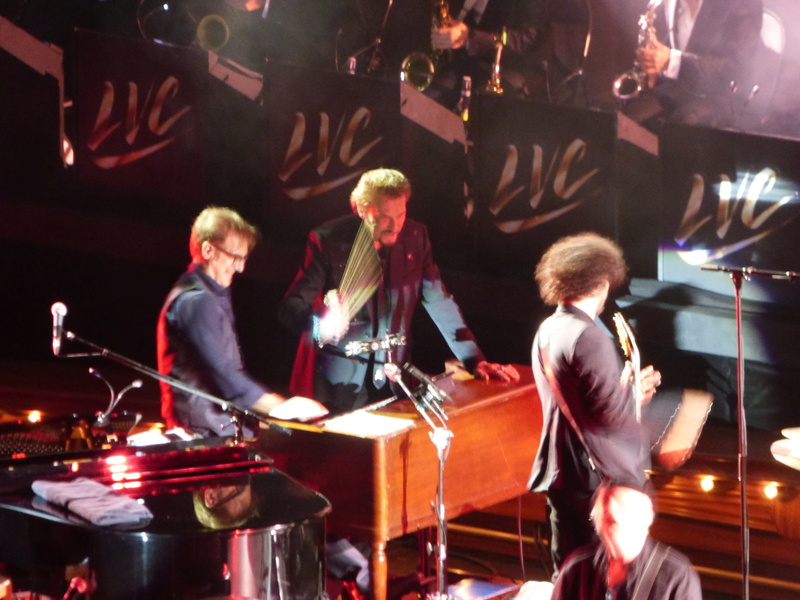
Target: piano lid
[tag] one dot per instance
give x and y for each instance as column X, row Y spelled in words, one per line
column 134, row 467
column 213, row 532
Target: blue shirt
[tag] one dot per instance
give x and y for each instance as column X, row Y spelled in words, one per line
column 198, row 345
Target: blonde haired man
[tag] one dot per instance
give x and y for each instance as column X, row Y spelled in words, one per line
column 197, row 341
column 408, row 277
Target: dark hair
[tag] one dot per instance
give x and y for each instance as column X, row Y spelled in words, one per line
column 576, row 265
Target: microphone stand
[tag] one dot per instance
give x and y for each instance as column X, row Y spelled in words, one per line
column 738, row 275
column 440, row 436
column 236, row 412
column 375, row 46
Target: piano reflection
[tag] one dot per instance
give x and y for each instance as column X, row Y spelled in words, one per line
column 225, row 524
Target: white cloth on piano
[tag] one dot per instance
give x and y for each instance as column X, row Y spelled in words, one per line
column 93, row 501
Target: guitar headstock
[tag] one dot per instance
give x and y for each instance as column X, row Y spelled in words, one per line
column 623, row 334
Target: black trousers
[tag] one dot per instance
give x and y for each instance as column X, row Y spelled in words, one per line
column 570, row 523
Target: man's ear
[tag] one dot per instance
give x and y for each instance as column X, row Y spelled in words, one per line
column 206, row 250
column 210, row 497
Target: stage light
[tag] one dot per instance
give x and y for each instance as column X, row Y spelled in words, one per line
column 67, row 151
column 771, row 490
column 707, row 483
column 34, row 416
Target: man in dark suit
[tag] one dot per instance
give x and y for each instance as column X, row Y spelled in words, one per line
column 590, row 432
column 699, row 59
column 468, row 43
column 333, row 306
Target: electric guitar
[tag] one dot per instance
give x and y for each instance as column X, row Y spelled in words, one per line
column 631, row 352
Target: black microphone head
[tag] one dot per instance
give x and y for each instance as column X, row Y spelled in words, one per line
column 411, row 369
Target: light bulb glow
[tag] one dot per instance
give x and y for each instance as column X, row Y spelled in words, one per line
column 707, row 483
column 771, row 490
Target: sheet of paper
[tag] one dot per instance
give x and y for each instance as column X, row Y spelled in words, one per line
column 367, row 424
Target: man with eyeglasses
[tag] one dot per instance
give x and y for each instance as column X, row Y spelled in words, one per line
column 197, row 341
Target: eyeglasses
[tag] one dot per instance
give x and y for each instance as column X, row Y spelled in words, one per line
column 234, row 257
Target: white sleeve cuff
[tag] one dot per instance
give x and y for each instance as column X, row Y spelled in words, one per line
column 674, row 64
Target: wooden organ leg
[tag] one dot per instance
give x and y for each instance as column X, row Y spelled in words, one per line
column 379, row 568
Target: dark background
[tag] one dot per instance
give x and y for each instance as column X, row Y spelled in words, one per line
column 111, row 255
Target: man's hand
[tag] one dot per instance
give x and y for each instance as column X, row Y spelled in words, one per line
column 298, row 408
column 333, row 324
column 649, row 380
column 654, row 60
column 450, row 38
column 487, row 370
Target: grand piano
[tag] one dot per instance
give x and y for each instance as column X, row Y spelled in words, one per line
column 377, row 485
column 225, row 523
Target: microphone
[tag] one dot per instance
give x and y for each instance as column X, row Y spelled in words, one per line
column 59, row 311
column 103, row 418
column 392, row 372
column 440, row 395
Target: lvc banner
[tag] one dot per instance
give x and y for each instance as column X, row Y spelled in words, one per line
column 140, row 129
column 325, row 130
column 541, row 171
column 731, row 201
